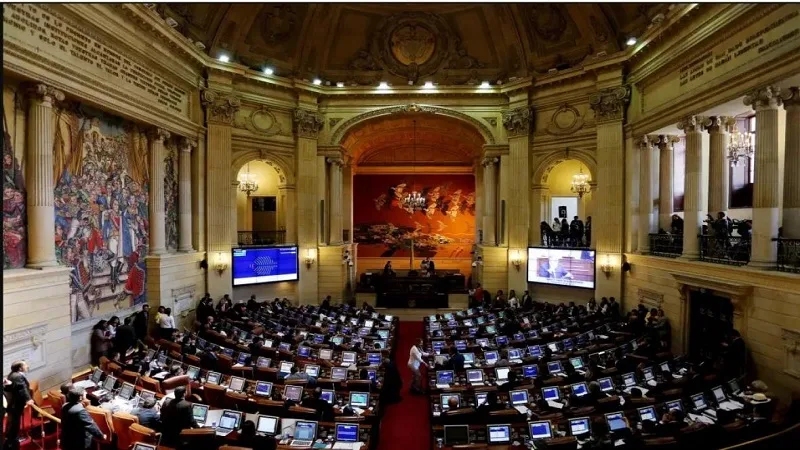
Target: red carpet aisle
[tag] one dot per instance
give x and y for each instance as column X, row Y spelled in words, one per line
column 405, row 425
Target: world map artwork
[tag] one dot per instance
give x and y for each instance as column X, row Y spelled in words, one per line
column 384, row 228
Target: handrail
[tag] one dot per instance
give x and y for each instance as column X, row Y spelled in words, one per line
column 764, row 439
column 45, row 414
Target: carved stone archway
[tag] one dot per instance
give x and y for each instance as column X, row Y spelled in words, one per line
column 341, row 131
column 281, row 164
column 547, row 164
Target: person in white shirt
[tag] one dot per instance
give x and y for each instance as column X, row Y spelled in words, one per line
column 414, row 362
column 167, row 323
column 512, row 299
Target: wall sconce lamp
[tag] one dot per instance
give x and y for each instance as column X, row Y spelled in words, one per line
column 516, row 259
column 221, row 265
column 606, row 266
column 311, row 256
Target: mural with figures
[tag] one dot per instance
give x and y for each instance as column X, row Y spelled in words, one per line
column 383, row 228
column 14, row 216
column 171, row 194
column 101, row 203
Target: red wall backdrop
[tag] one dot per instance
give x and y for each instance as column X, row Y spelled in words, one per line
column 383, row 228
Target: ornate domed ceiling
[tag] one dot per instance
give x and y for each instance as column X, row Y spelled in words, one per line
column 450, row 44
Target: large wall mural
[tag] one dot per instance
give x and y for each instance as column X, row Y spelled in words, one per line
column 171, row 194
column 383, row 228
column 14, row 215
column 101, row 202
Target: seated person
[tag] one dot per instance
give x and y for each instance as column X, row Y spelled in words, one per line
column 317, row 403
column 572, row 376
column 456, row 361
column 247, row 435
column 297, row 375
column 452, row 405
column 671, row 422
column 490, row 405
column 188, row 346
column 174, row 371
column 147, row 415
column 511, row 384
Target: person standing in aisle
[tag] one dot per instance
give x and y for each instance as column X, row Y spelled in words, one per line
column 414, row 362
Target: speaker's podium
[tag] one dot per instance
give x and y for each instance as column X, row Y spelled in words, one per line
column 410, row 289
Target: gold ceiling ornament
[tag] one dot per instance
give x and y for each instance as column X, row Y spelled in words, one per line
column 413, row 43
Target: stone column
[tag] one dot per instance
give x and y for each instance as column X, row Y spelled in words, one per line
column 335, row 209
column 156, row 139
column 719, row 165
column 791, row 165
column 647, row 217
column 220, row 112
column 234, row 212
column 290, row 209
column 39, row 176
column 518, row 123
column 665, row 167
column 765, row 101
column 307, row 124
column 490, row 197
column 608, row 222
column 538, row 204
column 185, row 194
column 693, row 208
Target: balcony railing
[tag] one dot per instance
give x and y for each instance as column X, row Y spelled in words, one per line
column 788, row 255
column 262, row 237
column 734, row 250
column 668, row 245
column 557, row 240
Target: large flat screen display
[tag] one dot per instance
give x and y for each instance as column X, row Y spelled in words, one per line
column 264, row 265
column 562, row 267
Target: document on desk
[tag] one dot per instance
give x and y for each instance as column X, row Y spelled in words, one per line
column 84, row 384
column 442, row 386
column 358, row 410
column 522, row 409
column 160, row 375
column 701, row 419
column 554, row 404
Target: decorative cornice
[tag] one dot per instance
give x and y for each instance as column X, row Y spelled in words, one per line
column 609, row 104
column 220, row 109
column 308, row 123
column 187, row 144
column 692, row 124
column 23, row 334
column 720, row 124
column 158, row 134
column 44, row 93
column 791, row 97
column 767, row 97
column 518, row 121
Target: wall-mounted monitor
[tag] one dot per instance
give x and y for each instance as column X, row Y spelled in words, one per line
column 561, row 267
column 265, row 265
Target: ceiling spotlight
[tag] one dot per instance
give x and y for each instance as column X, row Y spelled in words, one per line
column 485, row 85
column 383, row 85
column 428, row 85
column 317, row 81
column 340, row 84
column 224, row 58
column 631, row 41
column 268, row 71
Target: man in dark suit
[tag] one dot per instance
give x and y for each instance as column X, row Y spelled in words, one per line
column 141, row 321
column 148, row 416
column 18, row 395
column 125, row 337
column 322, row 407
column 527, row 301
column 176, row 416
column 77, row 426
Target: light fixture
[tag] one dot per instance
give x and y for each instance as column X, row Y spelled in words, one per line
column 268, row 71
column 340, row 84
column 740, row 146
column 631, row 41
column 485, row 85
column 221, row 264
column 516, row 259
column 606, row 266
column 224, row 58
column 383, row 85
column 247, row 183
column 428, row 85
column 413, row 201
column 580, row 183
column 311, row 256
column 317, row 81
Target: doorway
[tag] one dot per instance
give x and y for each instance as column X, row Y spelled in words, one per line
column 710, row 318
column 564, row 208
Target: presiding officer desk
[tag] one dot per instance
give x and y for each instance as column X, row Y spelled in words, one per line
column 254, row 383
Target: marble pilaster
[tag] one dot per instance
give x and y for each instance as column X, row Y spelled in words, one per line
column 158, row 216
column 666, row 159
column 185, row 195
column 335, row 209
column 719, row 166
column 791, row 165
column 647, row 217
column 693, row 208
column 490, row 197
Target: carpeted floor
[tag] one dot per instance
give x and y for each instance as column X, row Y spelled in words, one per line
column 405, row 425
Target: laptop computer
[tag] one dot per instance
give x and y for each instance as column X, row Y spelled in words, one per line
column 285, row 367
column 551, row 394
column 348, row 359
column 292, row 392
column 213, row 377
column 312, row 370
column 540, row 429
column 359, row 399
column 141, row 446
column 514, row 355
column 263, row 389
column 228, row 422
column 498, row 434
column 346, row 436
column 606, row 384
column 648, row 413
column 456, row 435
column 554, row 368
column 328, row 395
column 108, row 386
column 338, row 373
column 491, row 357
column 444, row 401
column 475, row 377
column 502, row 374
column 444, row 378
column 304, row 433
column 580, row 427
column 518, row 397
column 97, row 375
column 267, row 425
column 236, row 384
column 326, row 354
column 126, row 391
column 616, row 421
column 200, row 413
column 530, row 371
column 580, row 389
column 722, row 399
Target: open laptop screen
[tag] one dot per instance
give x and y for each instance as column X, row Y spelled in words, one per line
column 346, row 432
column 267, row 425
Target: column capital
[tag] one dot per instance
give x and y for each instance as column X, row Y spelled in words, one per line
column 518, row 121
column 43, row 93
column 308, row 123
column 720, row 124
column 235, row 184
column 220, row 108
column 335, row 161
column 158, row 134
column 692, row 123
column 664, row 142
column 187, row 144
column 609, row 104
column 645, row 142
column 490, row 161
column 791, row 97
column 767, row 97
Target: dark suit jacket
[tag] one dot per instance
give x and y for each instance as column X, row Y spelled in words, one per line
column 77, row 428
column 140, row 324
column 148, row 418
column 18, row 392
column 125, row 337
column 176, row 417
